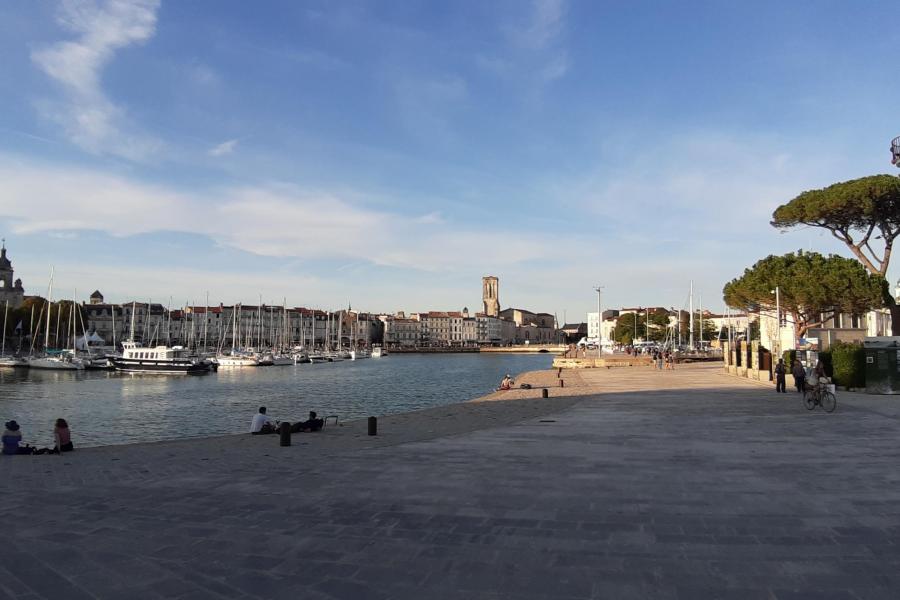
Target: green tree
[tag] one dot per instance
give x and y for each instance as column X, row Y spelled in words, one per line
column 813, row 287
column 626, row 323
column 708, row 328
column 863, row 213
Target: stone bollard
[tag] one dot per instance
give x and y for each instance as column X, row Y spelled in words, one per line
column 545, row 393
column 373, row 426
column 284, row 430
column 562, row 383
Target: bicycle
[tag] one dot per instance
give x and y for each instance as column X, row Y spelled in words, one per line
column 819, row 395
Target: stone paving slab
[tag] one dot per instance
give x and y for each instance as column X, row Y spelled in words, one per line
column 658, row 485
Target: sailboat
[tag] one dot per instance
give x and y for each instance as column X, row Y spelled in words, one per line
column 237, row 358
column 64, row 360
column 8, row 361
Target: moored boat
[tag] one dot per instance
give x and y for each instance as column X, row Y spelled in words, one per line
column 161, row 359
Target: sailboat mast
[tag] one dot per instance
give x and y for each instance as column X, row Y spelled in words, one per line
column 205, row 322
column 3, row 343
column 133, row 306
column 49, row 298
column 691, row 318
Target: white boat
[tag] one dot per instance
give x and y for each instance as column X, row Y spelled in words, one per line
column 12, row 361
column 318, row 357
column 237, row 360
column 280, row 360
column 161, row 359
column 378, row 352
column 62, row 361
column 57, row 360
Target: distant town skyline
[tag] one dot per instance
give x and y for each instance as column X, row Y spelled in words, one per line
column 389, row 156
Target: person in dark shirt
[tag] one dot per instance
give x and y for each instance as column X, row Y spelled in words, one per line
column 799, row 374
column 311, row 424
column 779, row 376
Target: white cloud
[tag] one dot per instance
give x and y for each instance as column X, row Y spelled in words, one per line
column 88, row 118
column 545, row 25
column 535, row 52
column 272, row 220
column 223, row 148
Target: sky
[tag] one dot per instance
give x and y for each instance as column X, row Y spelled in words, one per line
column 387, row 155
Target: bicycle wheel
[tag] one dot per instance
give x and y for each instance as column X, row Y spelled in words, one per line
column 809, row 399
column 829, row 402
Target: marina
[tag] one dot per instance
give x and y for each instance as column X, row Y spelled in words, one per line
column 105, row 407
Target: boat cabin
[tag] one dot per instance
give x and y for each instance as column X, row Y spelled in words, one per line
column 132, row 350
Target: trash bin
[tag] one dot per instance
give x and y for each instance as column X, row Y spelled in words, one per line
column 882, row 365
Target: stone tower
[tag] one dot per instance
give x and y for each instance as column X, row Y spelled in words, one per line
column 490, row 294
column 10, row 291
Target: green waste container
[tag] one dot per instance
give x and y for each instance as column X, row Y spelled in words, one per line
column 882, row 365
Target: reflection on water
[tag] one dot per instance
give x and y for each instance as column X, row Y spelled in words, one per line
column 113, row 408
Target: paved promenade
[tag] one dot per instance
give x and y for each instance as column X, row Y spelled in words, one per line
column 642, row 484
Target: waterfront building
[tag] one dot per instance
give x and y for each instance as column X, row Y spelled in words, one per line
column 573, row 332
column 11, row 290
column 490, row 295
column 402, row 332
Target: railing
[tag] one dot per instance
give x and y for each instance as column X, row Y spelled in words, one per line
column 895, row 151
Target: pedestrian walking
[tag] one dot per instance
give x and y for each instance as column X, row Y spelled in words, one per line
column 779, row 376
column 799, row 374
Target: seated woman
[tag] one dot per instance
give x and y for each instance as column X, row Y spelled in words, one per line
column 62, row 439
column 507, row 383
column 12, row 437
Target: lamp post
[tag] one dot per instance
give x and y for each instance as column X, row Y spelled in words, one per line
column 777, row 292
column 599, row 290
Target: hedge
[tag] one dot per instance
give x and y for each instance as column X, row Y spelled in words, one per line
column 848, row 362
column 789, row 357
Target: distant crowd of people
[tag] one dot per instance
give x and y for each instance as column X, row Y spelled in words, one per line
column 12, row 440
column 262, row 424
column 663, row 359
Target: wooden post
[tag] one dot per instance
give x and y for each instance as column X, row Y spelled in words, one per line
column 284, row 429
column 544, row 393
column 373, row 426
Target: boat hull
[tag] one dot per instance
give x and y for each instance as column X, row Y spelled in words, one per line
column 127, row 365
column 54, row 364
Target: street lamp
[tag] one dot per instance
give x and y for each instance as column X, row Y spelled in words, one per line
column 777, row 292
column 599, row 290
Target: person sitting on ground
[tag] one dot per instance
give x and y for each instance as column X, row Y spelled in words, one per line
column 261, row 423
column 12, row 437
column 507, row 383
column 311, row 424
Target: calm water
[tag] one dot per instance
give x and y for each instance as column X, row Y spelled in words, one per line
column 112, row 408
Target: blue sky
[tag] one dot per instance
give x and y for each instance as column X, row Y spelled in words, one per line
column 390, row 154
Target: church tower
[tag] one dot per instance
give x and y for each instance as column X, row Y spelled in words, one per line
column 490, row 294
column 10, row 290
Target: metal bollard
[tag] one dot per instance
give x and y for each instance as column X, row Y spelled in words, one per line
column 544, row 393
column 284, row 429
column 562, row 383
column 373, row 426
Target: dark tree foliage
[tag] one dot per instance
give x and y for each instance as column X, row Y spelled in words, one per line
column 863, row 213
column 813, row 287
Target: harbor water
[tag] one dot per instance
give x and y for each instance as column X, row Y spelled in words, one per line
column 114, row 408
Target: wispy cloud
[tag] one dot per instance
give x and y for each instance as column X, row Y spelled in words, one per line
column 276, row 219
column 88, row 117
column 543, row 25
column 535, row 52
column 223, row 148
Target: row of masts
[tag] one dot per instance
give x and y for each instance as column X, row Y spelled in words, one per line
column 270, row 329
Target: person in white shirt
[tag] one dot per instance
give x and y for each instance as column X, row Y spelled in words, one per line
column 261, row 423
